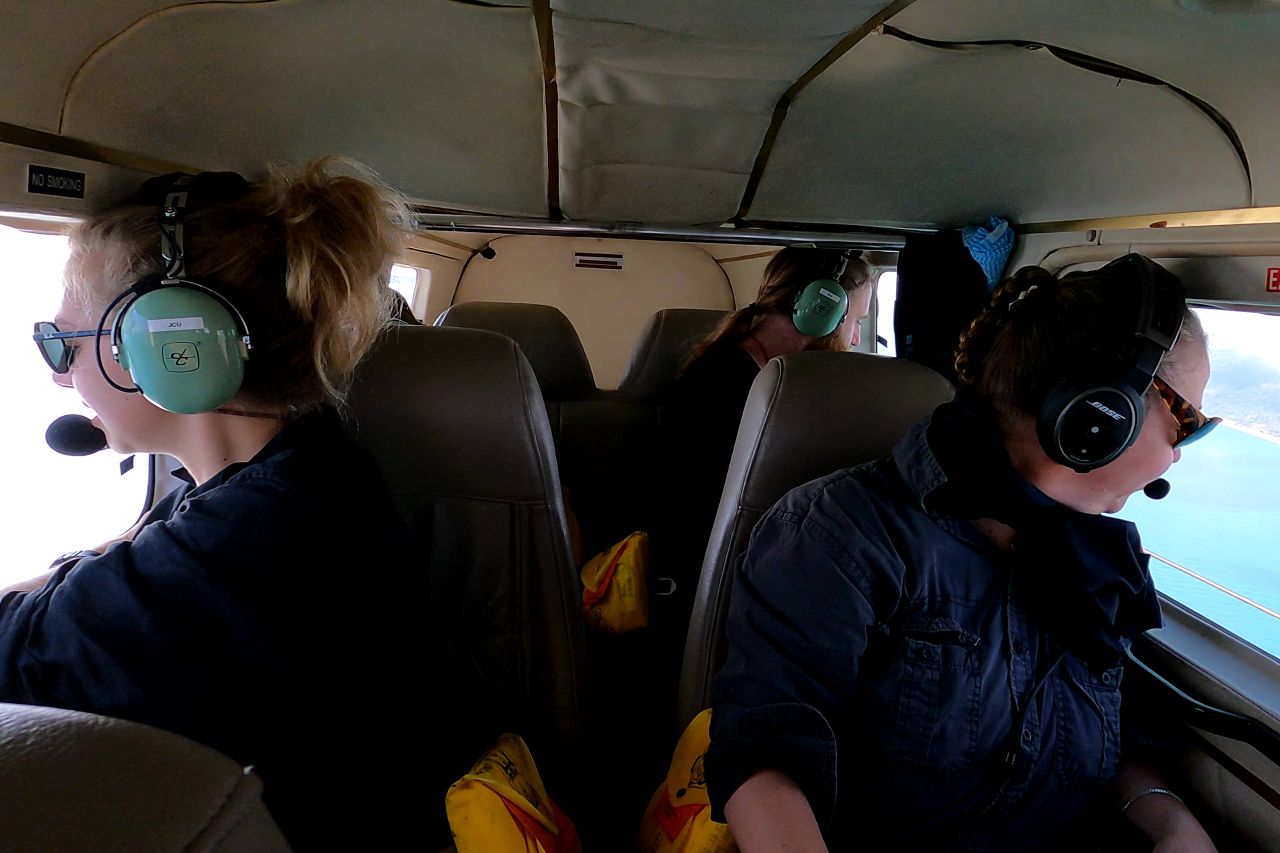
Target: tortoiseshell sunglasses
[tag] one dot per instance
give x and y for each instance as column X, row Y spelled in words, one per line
column 1192, row 423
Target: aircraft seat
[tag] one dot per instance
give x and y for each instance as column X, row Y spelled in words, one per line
column 457, row 425
column 76, row 782
column 661, row 348
column 795, row 429
column 545, row 336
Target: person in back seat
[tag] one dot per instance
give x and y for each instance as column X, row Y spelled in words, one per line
column 809, row 299
column 259, row 609
column 925, row 653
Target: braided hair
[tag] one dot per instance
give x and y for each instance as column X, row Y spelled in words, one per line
column 1038, row 330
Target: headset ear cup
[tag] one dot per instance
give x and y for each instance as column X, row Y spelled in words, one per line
column 183, row 349
column 1087, row 426
column 820, row 308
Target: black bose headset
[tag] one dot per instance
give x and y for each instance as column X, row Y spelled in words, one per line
column 1096, row 414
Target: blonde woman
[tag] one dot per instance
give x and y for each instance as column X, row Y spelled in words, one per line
column 255, row 609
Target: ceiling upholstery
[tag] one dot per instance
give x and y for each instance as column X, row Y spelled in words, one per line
column 662, row 109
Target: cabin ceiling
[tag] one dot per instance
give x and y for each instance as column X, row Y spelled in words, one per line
column 663, row 111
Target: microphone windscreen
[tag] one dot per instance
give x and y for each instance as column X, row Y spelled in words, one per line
column 75, row 435
column 1156, row 489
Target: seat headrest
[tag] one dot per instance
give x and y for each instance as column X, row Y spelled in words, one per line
column 544, row 334
column 458, row 413
column 78, row 782
column 812, row 413
column 662, row 346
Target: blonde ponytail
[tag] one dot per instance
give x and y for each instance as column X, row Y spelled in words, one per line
column 342, row 231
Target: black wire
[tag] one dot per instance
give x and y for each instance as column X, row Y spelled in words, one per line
column 437, row 254
column 97, row 342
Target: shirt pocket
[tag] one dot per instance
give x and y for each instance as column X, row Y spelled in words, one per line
column 1087, row 707
column 939, row 695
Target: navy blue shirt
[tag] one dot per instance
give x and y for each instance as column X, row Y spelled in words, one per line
column 890, row 660
column 259, row 613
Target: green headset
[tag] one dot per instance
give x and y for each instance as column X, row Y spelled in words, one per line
column 821, row 305
column 183, row 344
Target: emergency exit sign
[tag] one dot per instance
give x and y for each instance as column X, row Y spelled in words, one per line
column 1273, row 280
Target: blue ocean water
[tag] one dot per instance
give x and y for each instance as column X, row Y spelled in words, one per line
column 1220, row 521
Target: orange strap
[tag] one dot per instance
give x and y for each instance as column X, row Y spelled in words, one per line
column 550, row 842
column 592, row 597
column 672, row 818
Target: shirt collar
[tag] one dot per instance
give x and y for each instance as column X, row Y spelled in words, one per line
column 916, row 462
column 918, row 465
column 301, row 430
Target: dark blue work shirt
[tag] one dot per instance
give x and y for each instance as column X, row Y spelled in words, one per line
column 258, row 613
column 884, row 656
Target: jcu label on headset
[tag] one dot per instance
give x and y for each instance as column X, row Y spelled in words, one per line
column 47, row 180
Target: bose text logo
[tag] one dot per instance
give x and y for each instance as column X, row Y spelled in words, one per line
column 1111, row 413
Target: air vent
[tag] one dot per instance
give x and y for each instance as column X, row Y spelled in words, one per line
column 597, row 261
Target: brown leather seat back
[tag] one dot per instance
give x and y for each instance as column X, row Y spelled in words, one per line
column 807, row 415
column 662, row 348
column 546, row 337
column 77, row 783
column 456, row 422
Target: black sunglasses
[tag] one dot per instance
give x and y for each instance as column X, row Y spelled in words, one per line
column 53, row 345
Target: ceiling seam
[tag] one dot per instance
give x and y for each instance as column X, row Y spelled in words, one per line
column 1098, row 65
column 75, row 75
column 551, row 101
column 26, row 137
column 783, row 106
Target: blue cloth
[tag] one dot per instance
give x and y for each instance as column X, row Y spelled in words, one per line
column 990, row 244
column 257, row 613
column 891, row 661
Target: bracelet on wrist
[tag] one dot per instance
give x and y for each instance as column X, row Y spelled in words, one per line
column 1142, row 794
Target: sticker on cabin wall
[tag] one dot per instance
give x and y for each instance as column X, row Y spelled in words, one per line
column 46, row 180
column 1273, row 280
column 597, row 261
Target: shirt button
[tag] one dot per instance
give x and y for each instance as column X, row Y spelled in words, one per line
column 926, row 653
column 1026, row 735
column 1106, row 678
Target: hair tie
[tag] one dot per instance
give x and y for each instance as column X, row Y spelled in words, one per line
column 1021, row 296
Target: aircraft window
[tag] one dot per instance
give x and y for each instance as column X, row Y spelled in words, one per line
column 50, row 504
column 405, row 281
column 886, row 294
column 1212, row 540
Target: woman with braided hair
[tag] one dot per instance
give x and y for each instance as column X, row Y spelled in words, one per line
column 925, row 652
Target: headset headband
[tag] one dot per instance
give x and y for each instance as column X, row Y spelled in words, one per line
column 842, row 265
column 1159, row 318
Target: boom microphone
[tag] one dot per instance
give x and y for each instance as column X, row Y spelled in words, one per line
column 75, row 435
column 1156, row 489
